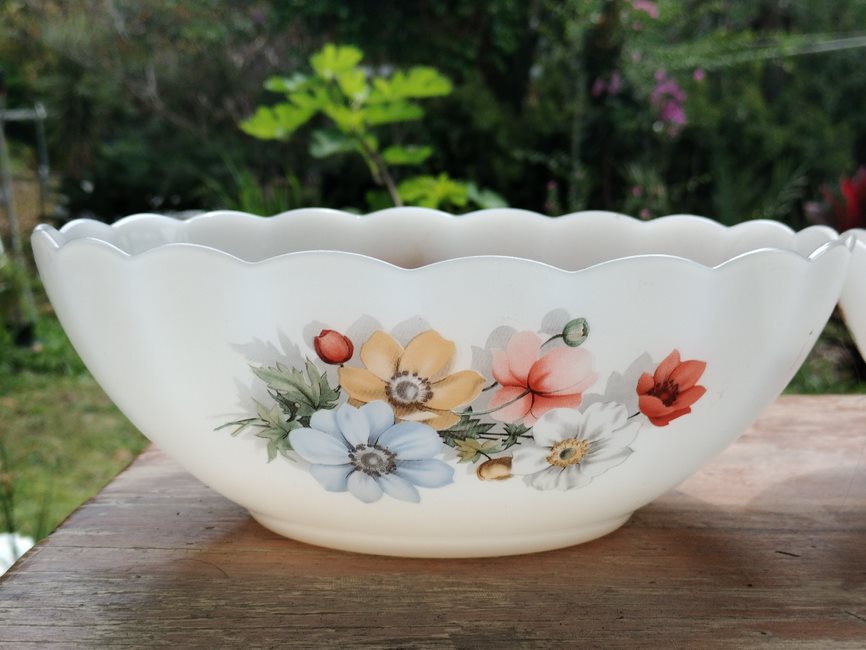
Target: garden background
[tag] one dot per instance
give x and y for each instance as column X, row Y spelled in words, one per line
column 734, row 110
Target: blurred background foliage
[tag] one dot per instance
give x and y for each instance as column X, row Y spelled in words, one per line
column 736, row 110
column 733, row 109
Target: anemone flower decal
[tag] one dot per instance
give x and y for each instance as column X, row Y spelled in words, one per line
column 363, row 451
column 532, row 383
column 670, row 392
column 571, row 448
column 415, row 381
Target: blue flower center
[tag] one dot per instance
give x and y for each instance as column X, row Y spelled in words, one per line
column 373, row 460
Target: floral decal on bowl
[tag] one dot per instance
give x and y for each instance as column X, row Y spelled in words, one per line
column 384, row 425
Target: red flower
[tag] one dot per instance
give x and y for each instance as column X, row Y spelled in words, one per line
column 671, row 390
column 332, row 347
column 843, row 209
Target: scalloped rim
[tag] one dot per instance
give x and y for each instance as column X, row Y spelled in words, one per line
column 57, row 241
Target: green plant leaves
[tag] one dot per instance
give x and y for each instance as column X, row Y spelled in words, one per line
column 484, row 198
column 471, row 450
column 419, row 82
column 467, row 427
column 333, row 60
column 286, row 84
column 346, row 119
column 407, row 154
column 433, row 191
column 277, row 122
column 353, row 84
column 393, row 112
column 328, row 142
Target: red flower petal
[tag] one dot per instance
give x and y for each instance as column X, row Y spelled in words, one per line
column 645, row 384
column 687, row 374
column 666, row 367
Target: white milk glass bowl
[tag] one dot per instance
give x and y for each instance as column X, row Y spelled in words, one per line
column 417, row 384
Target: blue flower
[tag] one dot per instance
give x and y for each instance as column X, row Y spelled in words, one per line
column 363, row 451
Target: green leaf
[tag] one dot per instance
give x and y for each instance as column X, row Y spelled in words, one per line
column 472, row 449
column 514, row 432
column 406, row 155
column 312, row 98
column 330, row 142
column 418, row 82
column 347, row 120
column 390, row 113
column 467, row 427
column 433, row 191
column 333, row 60
column 286, row 84
column 277, row 122
column 484, row 198
column 290, row 383
column 353, row 84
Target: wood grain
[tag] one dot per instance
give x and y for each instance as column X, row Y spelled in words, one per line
column 765, row 547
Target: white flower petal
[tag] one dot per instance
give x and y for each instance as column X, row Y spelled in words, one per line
column 364, row 487
column 555, row 478
column 618, row 439
column 529, row 459
column 326, row 421
column 318, row 447
column 598, row 464
column 429, row 473
column 600, row 419
column 399, row 488
column 380, row 417
column 411, row 441
column 557, row 425
column 332, row 477
column 353, row 425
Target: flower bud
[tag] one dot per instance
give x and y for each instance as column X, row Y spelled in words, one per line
column 332, row 347
column 495, row 469
column 575, row 332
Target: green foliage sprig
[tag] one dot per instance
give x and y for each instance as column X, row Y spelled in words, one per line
column 297, row 395
column 356, row 104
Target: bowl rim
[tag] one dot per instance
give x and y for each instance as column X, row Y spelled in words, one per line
column 54, row 239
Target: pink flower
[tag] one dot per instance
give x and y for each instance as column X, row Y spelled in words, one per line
column 649, row 8
column 599, row 87
column 532, row 383
column 699, row 74
column 673, row 113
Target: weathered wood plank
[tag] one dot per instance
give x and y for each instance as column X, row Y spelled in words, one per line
column 766, row 547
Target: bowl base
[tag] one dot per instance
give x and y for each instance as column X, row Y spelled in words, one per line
column 442, row 547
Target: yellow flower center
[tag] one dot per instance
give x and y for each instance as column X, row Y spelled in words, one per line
column 404, row 389
column 568, row 452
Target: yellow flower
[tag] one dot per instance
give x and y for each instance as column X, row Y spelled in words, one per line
column 415, row 381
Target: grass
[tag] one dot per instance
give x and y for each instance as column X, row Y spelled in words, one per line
column 61, row 438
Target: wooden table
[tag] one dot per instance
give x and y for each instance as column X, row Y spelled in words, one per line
column 764, row 547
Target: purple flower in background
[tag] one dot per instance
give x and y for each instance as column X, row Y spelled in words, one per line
column 673, row 113
column 668, row 99
column 699, row 74
column 609, row 87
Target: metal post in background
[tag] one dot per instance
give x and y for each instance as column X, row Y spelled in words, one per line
column 27, row 304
